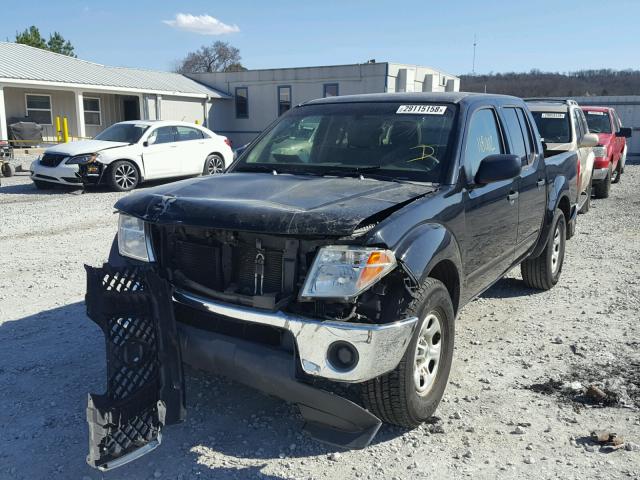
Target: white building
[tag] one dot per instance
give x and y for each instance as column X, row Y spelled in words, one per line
column 39, row 85
column 260, row 96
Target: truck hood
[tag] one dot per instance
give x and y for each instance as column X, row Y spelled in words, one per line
column 84, row 146
column 279, row 204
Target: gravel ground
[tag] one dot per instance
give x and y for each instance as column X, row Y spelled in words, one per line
column 515, row 406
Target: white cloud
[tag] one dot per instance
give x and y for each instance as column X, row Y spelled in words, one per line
column 202, row 24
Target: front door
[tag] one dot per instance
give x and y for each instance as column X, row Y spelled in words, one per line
column 491, row 211
column 160, row 153
column 131, row 108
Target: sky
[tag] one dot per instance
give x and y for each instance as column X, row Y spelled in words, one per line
column 517, row 35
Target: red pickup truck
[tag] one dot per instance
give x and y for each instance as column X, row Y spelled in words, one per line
column 611, row 151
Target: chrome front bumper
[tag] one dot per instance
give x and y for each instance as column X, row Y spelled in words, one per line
column 599, row 174
column 380, row 347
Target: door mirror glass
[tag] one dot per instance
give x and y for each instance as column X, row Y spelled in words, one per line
column 624, row 132
column 589, row 140
column 152, row 139
column 495, row 168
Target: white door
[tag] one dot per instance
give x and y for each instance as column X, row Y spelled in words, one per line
column 192, row 145
column 160, row 156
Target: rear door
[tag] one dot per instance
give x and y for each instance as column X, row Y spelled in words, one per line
column 491, row 211
column 532, row 185
column 585, row 154
column 145, row 389
column 160, row 156
column 192, row 148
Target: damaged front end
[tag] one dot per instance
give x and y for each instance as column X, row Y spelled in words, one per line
column 144, row 367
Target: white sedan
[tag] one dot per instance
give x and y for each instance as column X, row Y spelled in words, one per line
column 128, row 153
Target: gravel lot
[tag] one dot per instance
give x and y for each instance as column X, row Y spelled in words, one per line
column 515, row 406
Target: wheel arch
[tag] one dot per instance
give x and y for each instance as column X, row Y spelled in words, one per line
column 132, row 161
column 220, row 154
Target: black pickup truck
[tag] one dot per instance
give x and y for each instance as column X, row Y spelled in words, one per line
column 327, row 265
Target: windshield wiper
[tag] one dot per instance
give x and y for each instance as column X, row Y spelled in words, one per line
column 256, row 168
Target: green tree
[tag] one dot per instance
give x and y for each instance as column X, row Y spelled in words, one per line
column 31, row 36
column 217, row 57
column 56, row 43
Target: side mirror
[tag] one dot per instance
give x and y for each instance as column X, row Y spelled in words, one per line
column 589, row 140
column 498, row 167
column 624, row 132
column 145, row 143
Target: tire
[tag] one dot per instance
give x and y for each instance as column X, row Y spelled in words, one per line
column 40, row 185
column 602, row 188
column 618, row 172
column 587, row 205
column 123, row 176
column 8, row 170
column 396, row 397
column 543, row 272
column 213, row 165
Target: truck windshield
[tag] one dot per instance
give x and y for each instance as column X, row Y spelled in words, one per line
column 599, row 122
column 122, row 132
column 553, row 126
column 409, row 142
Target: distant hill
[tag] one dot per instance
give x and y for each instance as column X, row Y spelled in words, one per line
column 546, row 84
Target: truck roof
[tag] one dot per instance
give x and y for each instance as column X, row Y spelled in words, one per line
column 445, row 97
column 597, row 109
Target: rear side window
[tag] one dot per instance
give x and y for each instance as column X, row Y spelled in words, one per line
column 188, row 133
column 162, row 135
column 517, row 145
column 483, row 139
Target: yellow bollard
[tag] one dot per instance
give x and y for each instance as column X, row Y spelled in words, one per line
column 58, row 132
column 65, row 130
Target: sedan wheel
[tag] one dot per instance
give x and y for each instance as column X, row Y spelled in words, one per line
column 123, row 176
column 214, row 165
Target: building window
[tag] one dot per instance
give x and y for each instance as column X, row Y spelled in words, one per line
column 39, row 108
column 92, row 116
column 284, row 99
column 242, row 102
column 330, row 90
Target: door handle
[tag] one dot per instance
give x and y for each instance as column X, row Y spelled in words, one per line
column 512, row 196
column 541, row 182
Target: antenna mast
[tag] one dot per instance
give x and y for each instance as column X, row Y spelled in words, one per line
column 475, row 42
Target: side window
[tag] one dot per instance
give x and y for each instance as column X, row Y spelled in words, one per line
column 528, row 135
column 242, row 102
column 483, row 139
column 162, row 135
column 577, row 122
column 188, row 133
column 517, row 144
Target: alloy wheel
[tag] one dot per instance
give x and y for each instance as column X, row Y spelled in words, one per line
column 125, row 176
column 215, row 165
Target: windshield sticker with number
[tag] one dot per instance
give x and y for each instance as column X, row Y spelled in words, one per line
column 553, row 115
column 595, row 113
column 422, row 109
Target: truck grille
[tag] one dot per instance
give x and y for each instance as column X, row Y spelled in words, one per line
column 204, row 264
column 52, row 159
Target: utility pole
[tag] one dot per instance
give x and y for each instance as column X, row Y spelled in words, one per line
column 475, row 42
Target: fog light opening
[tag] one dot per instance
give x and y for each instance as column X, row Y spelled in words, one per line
column 342, row 356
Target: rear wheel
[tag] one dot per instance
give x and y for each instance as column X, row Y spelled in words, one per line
column 213, row 165
column 123, row 176
column 602, row 188
column 543, row 272
column 8, row 170
column 410, row 394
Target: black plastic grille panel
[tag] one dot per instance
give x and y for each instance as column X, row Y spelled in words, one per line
column 52, row 159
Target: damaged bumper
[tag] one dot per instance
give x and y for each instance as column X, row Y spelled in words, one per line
column 375, row 349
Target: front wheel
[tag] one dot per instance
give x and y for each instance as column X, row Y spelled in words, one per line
column 213, row 165
column 410, row 394
column 543, row 272
column 602, row 188
column 123, row 176
column 8, row 170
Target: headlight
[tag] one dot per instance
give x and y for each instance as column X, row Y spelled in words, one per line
column 82, row 159
column 345, row 272
column 133, row 241
column 600, row 151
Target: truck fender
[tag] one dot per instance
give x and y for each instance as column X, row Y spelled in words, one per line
column 424, row 247
column 558, row 198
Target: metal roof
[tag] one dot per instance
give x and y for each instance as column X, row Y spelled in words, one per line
column 25, row 63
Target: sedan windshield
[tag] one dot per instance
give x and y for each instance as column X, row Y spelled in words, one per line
column 399, row 141
column 123, row 132
column 598, row 122
column 553, row 126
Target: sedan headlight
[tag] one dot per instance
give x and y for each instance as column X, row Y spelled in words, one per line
column 600, row 151
column 345, row 272
column 133, row 241
column 82, row 159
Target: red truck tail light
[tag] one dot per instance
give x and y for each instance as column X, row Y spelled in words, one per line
column 228, row 142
